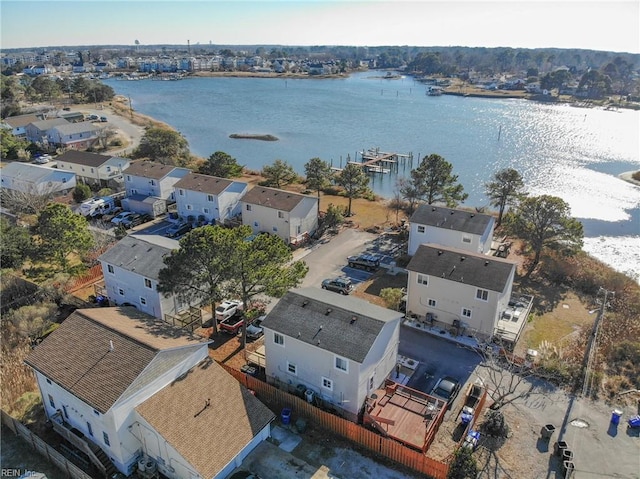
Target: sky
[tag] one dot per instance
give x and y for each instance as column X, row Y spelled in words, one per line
column 595, row 25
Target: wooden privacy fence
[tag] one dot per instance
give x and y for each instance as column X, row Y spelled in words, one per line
column 92, row 276
column 44, row 449
column 393, row 450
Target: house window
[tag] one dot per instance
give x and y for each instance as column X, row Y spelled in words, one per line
column 189, row 207
column 278, row 339
column 256, row 224
column 110, row 269
column 89, row 429
column 51, row 401
column 64, row 411
column 370, row 383
column 431, row 303
column 421, row 229
column 147, row 283
column 121, row 291
column 205, row 211
column 108, row 169
column 248, row 207
column 466, row 312
column 134, row 191
column 274, row 229
column 96, row 412
column 92, row 171
column 143, row 301
column 153, row 182
column 128, row 177
column 210, row 198
column 280, row 214
column 181, row 192
column 48, row 381
column 105, row 437
column 482, row 294
column 327, row 383
column 423, row 279
column 342, row 364
column 292, row 368
column 466, row 239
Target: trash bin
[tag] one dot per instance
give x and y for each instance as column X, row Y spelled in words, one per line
column 301, row 425
column 547, row 431
column 567, row 455
column 286, row 416
column 567, row 469
column 616, row 414
column 559, row 447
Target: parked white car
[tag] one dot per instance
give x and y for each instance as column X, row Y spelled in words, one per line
column 228, row 308
column 121, row 216
column 43, row 159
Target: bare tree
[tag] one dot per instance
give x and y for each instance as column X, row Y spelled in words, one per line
column 28, row 202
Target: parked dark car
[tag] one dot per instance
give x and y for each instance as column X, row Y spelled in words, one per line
column 446, row 389
column 368, row 262
column 178, row 229
column 135, row 220
column 339, row 285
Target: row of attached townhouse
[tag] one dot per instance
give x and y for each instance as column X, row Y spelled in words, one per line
column 131, row 392
column 60, row 133
column 36, row 180
column 150, row 186
column 452, row 277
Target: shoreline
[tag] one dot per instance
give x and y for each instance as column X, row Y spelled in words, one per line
column 628, row 177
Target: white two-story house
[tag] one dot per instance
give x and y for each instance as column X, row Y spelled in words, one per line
column 93, row 168
column 465, row 230
column 209, row 198
column 340, row 347
column 132, row 392
column 150, row 186
column 18, row 124
column 458, row 288
column 37, row 131
column 291, row 216
column 131, row 274
column 74, row 136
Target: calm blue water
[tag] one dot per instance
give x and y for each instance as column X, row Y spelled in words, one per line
column 565, row 151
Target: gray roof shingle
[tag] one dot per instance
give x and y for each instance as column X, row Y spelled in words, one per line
column 97, row 354
column 83, row 158
column 452, row 219
column 343, row 325
column 462, row 266
column 150, row 169
column 132, row 253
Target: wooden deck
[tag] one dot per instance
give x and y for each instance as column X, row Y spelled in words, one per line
column 403, row 414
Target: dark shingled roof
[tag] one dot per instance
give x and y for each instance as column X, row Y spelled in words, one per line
column 452, row 219
column 349, row 329
column 207, row 416
column 134, row 254
column 97, row 354
column 462, row 266
column 272, row 198
column 204, row 183
column 83, row 158
column 149, row 169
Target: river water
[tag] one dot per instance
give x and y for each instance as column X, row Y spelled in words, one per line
column 574, row 153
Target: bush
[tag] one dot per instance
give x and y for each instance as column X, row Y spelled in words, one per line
column 81, row 193
column 463, row 466
column 495, row 425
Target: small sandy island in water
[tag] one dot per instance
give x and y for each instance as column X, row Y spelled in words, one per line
column 251, row 136
column 628, row 176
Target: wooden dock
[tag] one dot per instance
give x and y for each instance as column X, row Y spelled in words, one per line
column 375, row 161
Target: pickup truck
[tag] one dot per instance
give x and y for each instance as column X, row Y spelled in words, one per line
column 368, row 262
column 232, row 324
column 474, row 394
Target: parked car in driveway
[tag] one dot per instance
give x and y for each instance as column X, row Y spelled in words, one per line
column 227, row 308
column 135, row 220
column 254, row 330
column 368, row 262
column 178, row 229
column 120, row 217
column 338, row 285
column 446, row 389
column 42, row 159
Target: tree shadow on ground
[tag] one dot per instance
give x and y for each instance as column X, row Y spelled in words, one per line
column 383, row 280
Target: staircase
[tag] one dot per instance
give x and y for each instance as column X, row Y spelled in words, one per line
column 109, row 468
